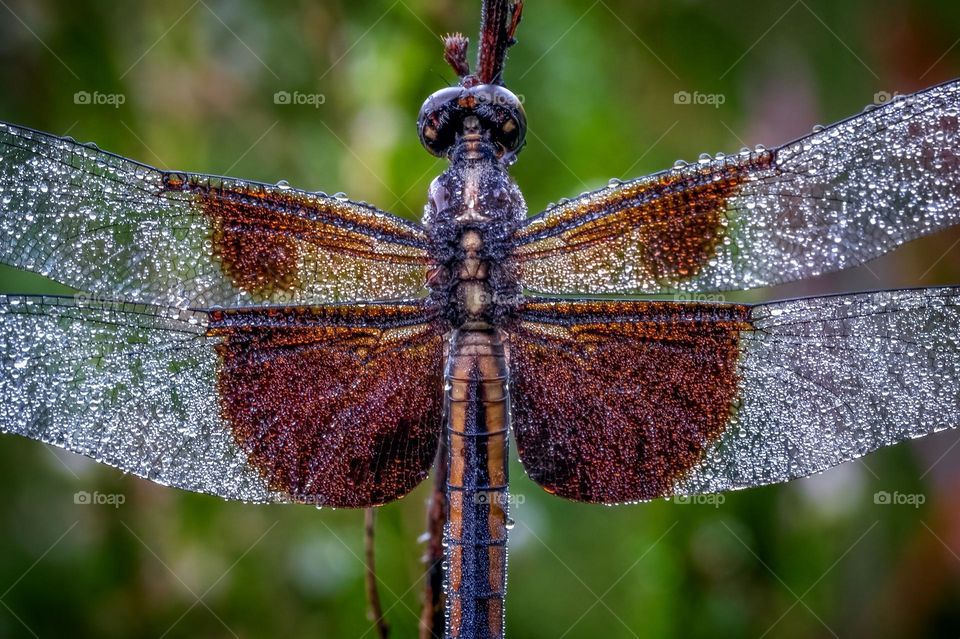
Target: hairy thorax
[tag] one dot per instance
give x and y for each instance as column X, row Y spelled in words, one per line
column 473, row 208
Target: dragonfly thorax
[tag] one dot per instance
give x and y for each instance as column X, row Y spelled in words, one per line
column 472, row 210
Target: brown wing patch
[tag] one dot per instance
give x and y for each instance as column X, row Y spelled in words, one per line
column 613, row 401
column 263, row 237
column 337, row 406
column 668, row 225
column 253, row 263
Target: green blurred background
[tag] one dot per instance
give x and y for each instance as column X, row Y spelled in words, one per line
column 815, row 558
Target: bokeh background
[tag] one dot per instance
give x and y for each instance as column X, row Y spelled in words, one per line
column 815, row 558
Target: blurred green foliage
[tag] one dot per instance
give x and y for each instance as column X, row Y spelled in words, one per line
column 815, row 558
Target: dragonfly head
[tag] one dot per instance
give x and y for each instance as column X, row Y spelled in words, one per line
column 498, row 111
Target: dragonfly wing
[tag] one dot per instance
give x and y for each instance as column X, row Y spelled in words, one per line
column 335, row 405
column 837, row 198
column 626, row 401
column 102, row 223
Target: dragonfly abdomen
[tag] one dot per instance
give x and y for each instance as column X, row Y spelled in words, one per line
column 475, row 536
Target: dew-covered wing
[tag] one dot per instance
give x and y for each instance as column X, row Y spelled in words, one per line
column 102, row 223
column 834, row 199
column 827, row 380
column 335, row 405
column 625, row 401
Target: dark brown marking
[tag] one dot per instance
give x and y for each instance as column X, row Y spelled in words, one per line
column 262, row 235
column 613, row 401
column 337, row 406
column 253, row 262
column 673, row 221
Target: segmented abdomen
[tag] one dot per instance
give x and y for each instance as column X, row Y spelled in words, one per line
column 475, row 537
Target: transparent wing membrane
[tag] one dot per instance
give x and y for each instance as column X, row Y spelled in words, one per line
column 827, row 380
column 837, row 198
column 101, row 223
column 131, row 386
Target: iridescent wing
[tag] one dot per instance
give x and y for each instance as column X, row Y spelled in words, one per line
column 834, row 199
column 101, row 223
column 337, row 405
column 625, row 401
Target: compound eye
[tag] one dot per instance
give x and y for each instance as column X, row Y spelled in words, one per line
column 505, row 114
column 437, row 118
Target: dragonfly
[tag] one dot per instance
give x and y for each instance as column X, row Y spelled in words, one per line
column 262, row 343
